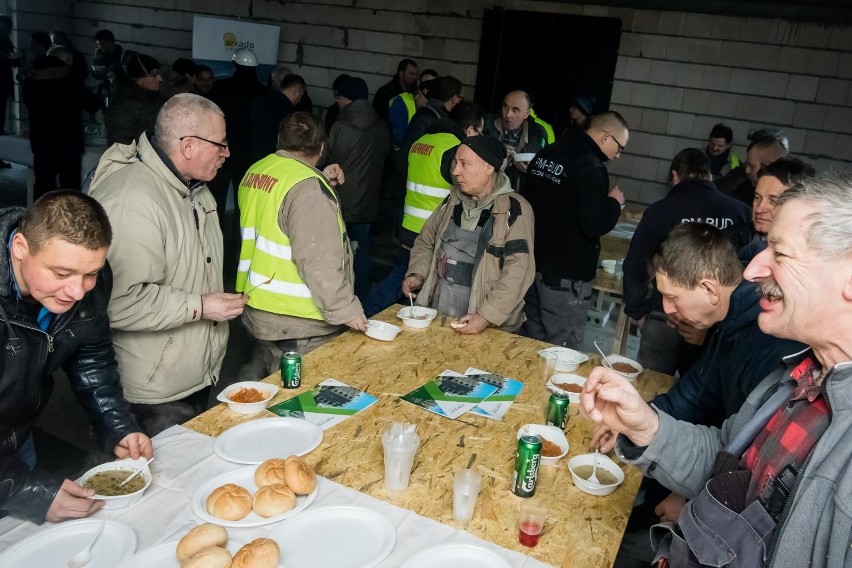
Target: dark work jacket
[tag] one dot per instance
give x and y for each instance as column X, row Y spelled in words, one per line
column 132, row 111
column 567, row 185
column 423, row 118
column 691, row 201
column 77, row 341
column 736, row 356
column 383, row 96
column 235, row 95
column 267, row 112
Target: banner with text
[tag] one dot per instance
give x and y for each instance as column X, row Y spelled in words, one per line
column 217, row 39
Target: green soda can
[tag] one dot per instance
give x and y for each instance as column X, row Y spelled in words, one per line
column 527, row 461
column 557, row 411
column 291, row 370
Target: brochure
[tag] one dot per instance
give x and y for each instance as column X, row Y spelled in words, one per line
column 496, row 405
column 325, row 405
column 451, row 394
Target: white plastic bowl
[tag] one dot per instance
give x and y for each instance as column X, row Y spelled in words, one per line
column 561, row 378
column 128, row 465
column 268, row 390
column 567, row 360
column 422, row 316
column 613, row 359
column 381, row 330
column 603, row 463
column 524, row 157
column 608, row 266
column 551, row 434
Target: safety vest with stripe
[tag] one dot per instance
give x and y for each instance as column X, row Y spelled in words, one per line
column 425, row 188
column 551, row 137
column 408, row 99
column 266, row 260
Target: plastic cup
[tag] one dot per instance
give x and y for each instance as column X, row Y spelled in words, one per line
column 546, row 365
column 399, row 457
column 466, row 485
column 531, row 520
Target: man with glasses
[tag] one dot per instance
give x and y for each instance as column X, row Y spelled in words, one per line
column 168, row 312
column 568, row 187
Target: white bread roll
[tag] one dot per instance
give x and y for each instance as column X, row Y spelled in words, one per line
column 299, row 476
column 229, row 502
column 272, row 500
column 201, row 537
column 456, row 324
column 259, row 553
column 210, row 557
column 269, row 472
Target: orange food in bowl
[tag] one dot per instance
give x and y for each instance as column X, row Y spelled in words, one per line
column 247, row 395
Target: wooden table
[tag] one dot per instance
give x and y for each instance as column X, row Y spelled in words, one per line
column 582, row 530
column 606, row 283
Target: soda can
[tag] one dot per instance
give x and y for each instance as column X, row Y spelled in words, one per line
column 291, row 370
column 527, row 461
column 557, row 411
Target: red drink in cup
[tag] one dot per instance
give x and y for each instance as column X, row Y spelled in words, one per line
column 529, row 533
column 531, row 522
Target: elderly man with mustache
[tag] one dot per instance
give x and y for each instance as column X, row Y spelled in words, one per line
column 770, row 487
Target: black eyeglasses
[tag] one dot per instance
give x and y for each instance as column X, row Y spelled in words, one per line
column 617, row 143
column 221, row 145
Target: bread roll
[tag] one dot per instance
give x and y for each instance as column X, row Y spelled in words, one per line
column 201, row 537
column 299, row 476
column 210, row 557
column 259, row 553
column 269, row 472
column 456, row 324
column 229, row 502
column 271, row 500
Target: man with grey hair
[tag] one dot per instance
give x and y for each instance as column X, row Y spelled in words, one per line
column 168, row 311
column 770, row 487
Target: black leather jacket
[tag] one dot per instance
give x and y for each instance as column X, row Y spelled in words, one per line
column 79, row 342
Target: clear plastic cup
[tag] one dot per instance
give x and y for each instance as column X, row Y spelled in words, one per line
column 531, row 519
column 399, row 452
column 546, row 365
column 466, row 486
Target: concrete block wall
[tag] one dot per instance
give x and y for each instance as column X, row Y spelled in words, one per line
column 677, row 73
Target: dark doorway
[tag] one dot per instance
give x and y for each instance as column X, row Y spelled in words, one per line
column 554, row 57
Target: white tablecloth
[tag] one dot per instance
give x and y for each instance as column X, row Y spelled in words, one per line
column 185, row 460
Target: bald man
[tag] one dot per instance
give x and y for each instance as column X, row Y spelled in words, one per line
column 568, row 188
column 518, row 132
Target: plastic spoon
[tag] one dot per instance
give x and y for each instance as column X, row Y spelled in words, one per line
column 135, row 473
column 605, row 360
column 264, row 283
column 83, row 557
column 594, row 477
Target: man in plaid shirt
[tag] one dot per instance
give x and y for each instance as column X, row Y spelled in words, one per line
column 773, row 486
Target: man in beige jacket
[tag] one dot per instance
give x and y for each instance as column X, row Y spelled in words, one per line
column 168, row 312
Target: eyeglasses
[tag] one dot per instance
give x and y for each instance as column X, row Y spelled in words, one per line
column 617, row 143
column 223, row 146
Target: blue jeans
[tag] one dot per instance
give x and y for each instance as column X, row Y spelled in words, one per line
column 389, row 290
column 360, row 233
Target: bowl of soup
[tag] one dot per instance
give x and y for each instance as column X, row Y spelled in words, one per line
column 106, row 480
column 625, row 367
column 608, row 473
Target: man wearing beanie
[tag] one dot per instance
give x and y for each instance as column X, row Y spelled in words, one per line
column 267, row 112
column 359, row 141
column 473, row 259
column 134, row 107
column 568, row 188
column 581, row 110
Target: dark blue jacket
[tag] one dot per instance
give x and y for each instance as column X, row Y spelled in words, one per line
column 736, row 356
column 691, row 201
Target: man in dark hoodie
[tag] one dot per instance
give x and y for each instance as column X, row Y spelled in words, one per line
column 692, row 199
column 234, row 95
column 568, row 187
column 134, row 107
column 269, row 110
column 358, row 142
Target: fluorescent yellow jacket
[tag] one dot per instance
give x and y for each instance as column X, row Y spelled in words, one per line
column 425, row 188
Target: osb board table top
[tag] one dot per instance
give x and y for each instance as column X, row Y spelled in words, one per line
column 582, row 530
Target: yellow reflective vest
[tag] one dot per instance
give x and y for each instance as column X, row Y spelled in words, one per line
column 425, row 188
column 266, row 259
column 408, row 99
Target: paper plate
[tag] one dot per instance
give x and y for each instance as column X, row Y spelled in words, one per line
column 335, row 537
column 243, row 477
column 452, row 555
column 56, row 545
column 259, row 440
column 161, row 556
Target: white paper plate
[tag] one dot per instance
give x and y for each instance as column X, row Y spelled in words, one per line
column 243, row 477
column 456, row 556
column 335, row 537
column 259, row 440
column 54, row 547
column 161, row 556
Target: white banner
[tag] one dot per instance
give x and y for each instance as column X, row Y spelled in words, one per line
column 217, row 39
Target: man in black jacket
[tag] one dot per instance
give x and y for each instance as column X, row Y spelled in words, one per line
column 568, row 187
column 404, row 80
column 54, row 289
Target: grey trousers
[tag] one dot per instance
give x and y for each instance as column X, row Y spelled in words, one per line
column 267, row 354
column 556, row 313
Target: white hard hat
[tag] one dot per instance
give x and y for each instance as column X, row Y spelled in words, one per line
column 245, row 57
